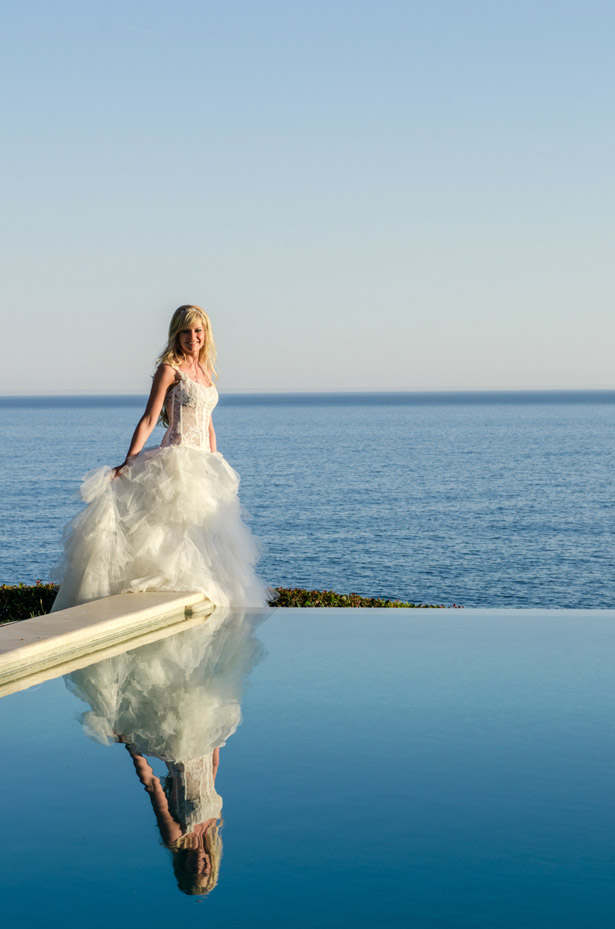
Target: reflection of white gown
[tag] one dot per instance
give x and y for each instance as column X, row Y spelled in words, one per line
column 177, row 699
column 170, row 521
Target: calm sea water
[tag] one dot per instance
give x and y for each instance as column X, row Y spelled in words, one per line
column 474, row 499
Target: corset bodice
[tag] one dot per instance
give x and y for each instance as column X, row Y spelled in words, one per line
column 189, row 408
column 191, row 791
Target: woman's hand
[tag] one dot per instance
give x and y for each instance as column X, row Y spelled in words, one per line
column 118, row 469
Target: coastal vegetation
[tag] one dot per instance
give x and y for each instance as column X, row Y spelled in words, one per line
column 24, row 601
column 296, row 596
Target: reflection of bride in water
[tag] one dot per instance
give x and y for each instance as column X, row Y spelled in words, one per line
column 177, row 700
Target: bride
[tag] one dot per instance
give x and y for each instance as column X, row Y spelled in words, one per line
column 167, row 518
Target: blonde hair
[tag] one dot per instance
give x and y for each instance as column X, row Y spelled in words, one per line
column 187, row 881
column 185, row 316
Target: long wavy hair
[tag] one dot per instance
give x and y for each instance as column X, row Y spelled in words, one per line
column 183, row 318
column 188, row 881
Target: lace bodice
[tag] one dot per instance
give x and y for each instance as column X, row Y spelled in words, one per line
column 189, row 408
column 191, row 792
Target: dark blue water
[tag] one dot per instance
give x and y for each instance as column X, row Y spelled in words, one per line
column 479, row 499
column 434, row 769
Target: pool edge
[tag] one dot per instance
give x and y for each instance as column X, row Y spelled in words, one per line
column 33, row 645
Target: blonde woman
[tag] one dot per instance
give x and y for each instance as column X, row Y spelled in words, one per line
column 177, row 700
column 166, row 518
column 193, row 838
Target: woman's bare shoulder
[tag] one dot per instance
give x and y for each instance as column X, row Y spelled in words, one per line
column 166, row 374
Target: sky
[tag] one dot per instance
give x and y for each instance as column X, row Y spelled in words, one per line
column 364, row 194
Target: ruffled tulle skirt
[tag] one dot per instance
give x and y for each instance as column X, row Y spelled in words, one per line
column 171, row 521
column 177, row 700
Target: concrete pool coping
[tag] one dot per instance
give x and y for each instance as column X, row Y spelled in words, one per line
column 31, row 646
column 35, row 650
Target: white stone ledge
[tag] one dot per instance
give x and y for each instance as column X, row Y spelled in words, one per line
column 32, row 645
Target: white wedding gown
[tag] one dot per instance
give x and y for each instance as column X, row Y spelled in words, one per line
column 177, row 700
column 170, row 521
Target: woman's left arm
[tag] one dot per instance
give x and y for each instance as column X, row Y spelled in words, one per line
column 213, row 445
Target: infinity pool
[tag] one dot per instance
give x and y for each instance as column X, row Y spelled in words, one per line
column 436, row 768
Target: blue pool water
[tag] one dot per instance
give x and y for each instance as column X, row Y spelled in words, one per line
column 479, row 499
column 431, row 769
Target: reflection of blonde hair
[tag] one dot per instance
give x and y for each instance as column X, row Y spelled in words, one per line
column 184, row 317
column 187, row 881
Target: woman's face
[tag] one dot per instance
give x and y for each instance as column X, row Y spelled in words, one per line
column 198, row 861
column 191, row 340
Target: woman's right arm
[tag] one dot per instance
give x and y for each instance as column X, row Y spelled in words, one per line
column 169, row 830
column 163, row 378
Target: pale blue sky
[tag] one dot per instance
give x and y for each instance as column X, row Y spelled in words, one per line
column 386, row 195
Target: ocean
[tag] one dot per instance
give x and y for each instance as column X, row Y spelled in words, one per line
column 474, row 499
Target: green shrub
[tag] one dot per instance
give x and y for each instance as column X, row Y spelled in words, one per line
column 23, row 601
column 312, row 598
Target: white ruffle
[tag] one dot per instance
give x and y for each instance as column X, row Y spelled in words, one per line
column 177, row 699
column 170, row 521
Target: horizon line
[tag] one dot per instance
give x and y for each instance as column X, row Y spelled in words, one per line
column 329, row 392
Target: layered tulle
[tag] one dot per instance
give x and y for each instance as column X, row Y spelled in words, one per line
column 171, row 521
column 177, row 699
